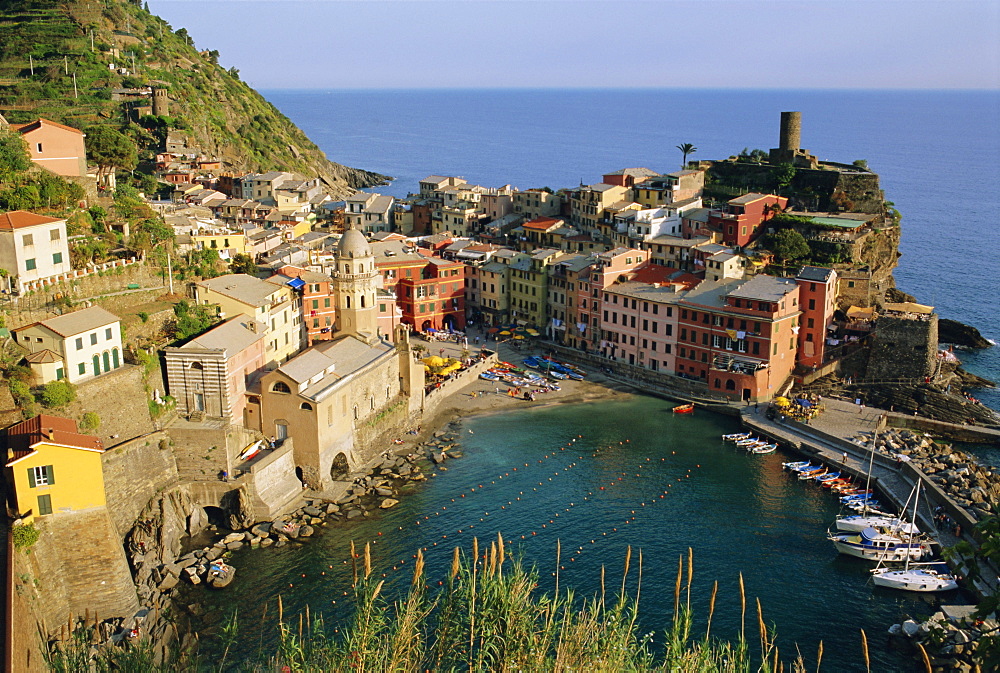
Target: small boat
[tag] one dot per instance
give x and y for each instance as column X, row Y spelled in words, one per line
column 683, row 409
column 489, row 376
column 252, row 450
column 793, row 465
column 803, row 476
column 922, row 577
column 736, row 436
column 767, row 448
column 863, row 505
column 829, row 476
column 747, row 440
column 874, row 545
column 530, row 362
column 220, row 574
column 858, row 494
column 557, row 375
column 805, row 468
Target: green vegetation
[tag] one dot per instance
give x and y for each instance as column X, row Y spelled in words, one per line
column 90, row 421
column 787, row 245
column 110, row 149
column 243, row 263
column 25, row 536
column 61, row 59
column 192, row 319
column 57, row 394
column 980, row 561
column 686, row 149
column 488, row 615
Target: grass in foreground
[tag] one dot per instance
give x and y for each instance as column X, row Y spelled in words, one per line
column 488, row 616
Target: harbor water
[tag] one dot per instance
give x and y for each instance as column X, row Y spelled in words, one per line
column 599, row 478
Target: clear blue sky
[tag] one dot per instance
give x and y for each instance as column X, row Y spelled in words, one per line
column 336, row 44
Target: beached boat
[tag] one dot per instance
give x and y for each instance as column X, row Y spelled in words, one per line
column 874, row 545
column 489, row 376
column 220, row 574
column 684, row 409
column 767, row 448
column 252, row 450
column 736, row 436
column 531, row 362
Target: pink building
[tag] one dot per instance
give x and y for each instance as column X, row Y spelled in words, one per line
column 607, row 268
column 212, row 372
column 55, row 147
column 818, row 297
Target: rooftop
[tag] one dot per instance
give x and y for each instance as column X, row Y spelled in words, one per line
column 333, row 361
column 233, row 336
column 24, row 436
column 18, row 219
column 815, row 273
column 241, row 287
column 77, row 322
column 748, row 198
column 765, row 288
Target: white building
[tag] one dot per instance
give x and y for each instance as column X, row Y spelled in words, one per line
column 75, row 346
column 32, row 247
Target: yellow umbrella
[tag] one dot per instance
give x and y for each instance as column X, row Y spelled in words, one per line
column 434, row 361
column 781, row 401
column 532, row 332
column 505, row 333
column 519, row 337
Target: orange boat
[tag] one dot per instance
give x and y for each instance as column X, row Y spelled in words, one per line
column 684, row 409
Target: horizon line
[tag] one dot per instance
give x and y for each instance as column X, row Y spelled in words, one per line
column 632, row 88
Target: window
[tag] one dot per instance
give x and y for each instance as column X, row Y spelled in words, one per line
column 93, row 338
column 280, row 387
column 850, row 283
column 107, row 334
column 82, row 368
column 812, row 304
column 305, row 406
column 326, row 302
column 44, row 504
column 28, row 240
column 29, row 265
column 79, row 344
column 41, row 476
column 55, row 235
column 38, row 147
column 60, row 374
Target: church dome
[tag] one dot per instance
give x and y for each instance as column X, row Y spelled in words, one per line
column 353, row 244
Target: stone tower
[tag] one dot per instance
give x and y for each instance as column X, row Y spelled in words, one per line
column 789, row 150
column 161, row 104
column 411, row 372
column 791, row 131
column 354, row 282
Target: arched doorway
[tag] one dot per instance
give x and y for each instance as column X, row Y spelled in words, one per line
column 449, row 322
column 339, row 468
column 426, row 326
column 217, row 516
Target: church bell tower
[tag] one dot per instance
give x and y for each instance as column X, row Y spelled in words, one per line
column 355, row 281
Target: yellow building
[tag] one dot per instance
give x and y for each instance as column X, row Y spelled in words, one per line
column 236, row 243
column 53, row 468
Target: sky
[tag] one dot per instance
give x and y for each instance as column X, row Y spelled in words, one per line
column 414, row 44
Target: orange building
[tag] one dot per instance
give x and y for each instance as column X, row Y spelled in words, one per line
column 58, row 148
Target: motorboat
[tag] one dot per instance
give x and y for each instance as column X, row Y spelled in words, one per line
column 829, row 476
column 874, row 519
column 874, row 545
column 767, row 448
column 793, row 465
column 735, row 437
column 684, row 409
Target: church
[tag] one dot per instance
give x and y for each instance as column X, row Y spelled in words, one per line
column 334, row 398
column 336, row 401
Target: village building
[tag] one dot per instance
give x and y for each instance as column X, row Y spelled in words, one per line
column 741, row 219
column 211, row 373
column 276, row 305
column 55, row 147
column 74, row 346
column 32, row 248
column 818, row 300
column 52, row 468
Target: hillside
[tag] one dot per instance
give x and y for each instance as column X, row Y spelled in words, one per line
column 64, row 59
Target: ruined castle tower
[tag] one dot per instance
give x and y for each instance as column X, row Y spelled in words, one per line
column 789, row 141
column 161, row 104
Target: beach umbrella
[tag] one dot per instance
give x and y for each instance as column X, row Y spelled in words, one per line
column 434, row 361
column 781, row 401
column 518, row 337
column 493, row 330
column 533, row 332
column 505, row 333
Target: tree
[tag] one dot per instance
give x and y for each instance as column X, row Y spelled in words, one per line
column 686, row 149
column 861, row 163
column 243, row 263
column 783, row 174
column 192, row 319
column 788, row 244
column 13, row 154
column 90, row 421
column 110, row 149
column 57, row 394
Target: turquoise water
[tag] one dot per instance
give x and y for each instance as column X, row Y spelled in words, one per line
column 668, row 483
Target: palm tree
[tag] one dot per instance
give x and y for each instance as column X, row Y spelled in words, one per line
column 686, row 149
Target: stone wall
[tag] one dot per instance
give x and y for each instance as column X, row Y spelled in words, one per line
column 23, row 643
column 903, row 348
column 274, row 484
column 119, row 398
column 134, row 472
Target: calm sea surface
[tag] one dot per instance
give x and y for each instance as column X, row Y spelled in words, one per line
column 936, row 154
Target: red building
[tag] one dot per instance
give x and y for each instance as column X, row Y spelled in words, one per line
column 818, row 297
column 319, row 307
column 739, row 337
column 741, row 219
column 430, row 291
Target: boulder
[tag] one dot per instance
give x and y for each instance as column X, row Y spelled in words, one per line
column 388, row 502
column 312, row 511
column 266, row 542
column 354, row 513
column 262, row 529
column 169, row 582
column 332, row 508
column 236, row 544
column 383, row 491
column 306, row 531
column 196, row 521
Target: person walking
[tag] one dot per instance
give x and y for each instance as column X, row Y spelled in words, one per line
column 845, row 458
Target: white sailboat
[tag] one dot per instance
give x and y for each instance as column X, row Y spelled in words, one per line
column 875, row 545
column 922, row 577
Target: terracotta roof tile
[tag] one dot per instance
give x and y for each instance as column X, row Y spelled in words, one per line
column 16, row 219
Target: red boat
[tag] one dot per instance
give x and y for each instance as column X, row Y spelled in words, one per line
column 684, row 409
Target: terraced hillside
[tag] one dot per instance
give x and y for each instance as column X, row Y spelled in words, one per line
column 64, row 59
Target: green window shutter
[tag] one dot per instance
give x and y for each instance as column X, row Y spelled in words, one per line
column 45, row 504
column 50, row 474
column 31, row 477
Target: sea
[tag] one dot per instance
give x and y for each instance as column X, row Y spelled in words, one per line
column 936, row 155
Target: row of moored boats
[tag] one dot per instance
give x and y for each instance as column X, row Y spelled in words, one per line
column 750, row 444
column 539, row 373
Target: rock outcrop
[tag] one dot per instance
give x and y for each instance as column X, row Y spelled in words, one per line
column 960, row 334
